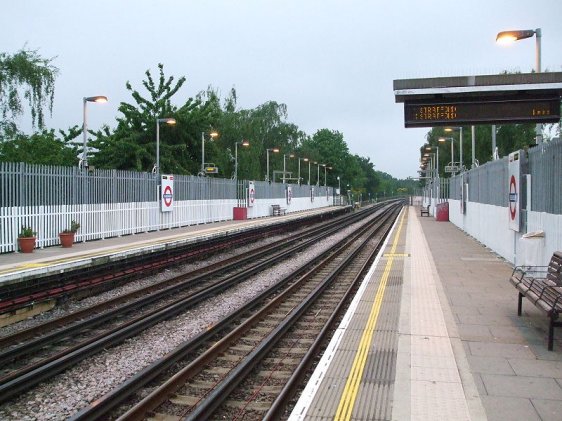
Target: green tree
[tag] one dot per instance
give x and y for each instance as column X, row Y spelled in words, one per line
column 265, row 127
column 329, row 147
column 43, row 147
column 132, row 145
column 25, row 71
column 371, row 177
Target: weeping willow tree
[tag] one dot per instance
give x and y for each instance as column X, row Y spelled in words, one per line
column 26, row 74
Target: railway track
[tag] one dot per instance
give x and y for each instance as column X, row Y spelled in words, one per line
column 251, row 363
column 32, row 356
column 107, row 274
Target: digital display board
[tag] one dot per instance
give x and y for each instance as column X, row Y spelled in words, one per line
column 449, row 113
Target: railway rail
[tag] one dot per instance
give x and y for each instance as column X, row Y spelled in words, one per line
column 226, row 370
column 107, row 274
column 82, row 334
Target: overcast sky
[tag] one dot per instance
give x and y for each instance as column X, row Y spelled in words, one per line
column 331, row 62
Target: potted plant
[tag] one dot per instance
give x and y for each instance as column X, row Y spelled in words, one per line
column 26, row 239
column 67, row 236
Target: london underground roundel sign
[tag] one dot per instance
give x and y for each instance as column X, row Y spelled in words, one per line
column 512, row 197
column 167, row 195
column 514, row 186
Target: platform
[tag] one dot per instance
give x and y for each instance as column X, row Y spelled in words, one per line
column 14, row 266
column 434, row 335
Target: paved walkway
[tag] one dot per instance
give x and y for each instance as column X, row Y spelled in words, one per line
column 506, row 356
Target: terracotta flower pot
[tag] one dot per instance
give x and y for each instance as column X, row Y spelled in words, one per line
column 66, row 239
column 27, row 244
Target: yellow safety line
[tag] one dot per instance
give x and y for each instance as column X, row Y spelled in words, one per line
column 349, row 395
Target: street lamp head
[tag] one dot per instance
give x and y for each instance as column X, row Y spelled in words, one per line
column 507, row 37
column 214, row 134
column 97, row 98
column 275, row 149
column 443, row 139
column 245, row 142
column 170, row 121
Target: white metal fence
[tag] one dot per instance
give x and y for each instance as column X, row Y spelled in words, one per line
column 109, row 203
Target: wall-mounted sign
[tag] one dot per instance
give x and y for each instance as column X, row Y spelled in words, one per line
column 167, row 193
column 514, row 177
column 251, row 194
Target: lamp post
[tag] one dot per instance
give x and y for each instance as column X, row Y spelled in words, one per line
column 318, row 173
column 275, row 150
column 436, row 166
column 450, row 129
column 508, row 37
column 98, row 99
column 285, row 165
column 170, row 121
column 325, row 168
column 339, row 190
column 212, row 135
column 243, row 143
column 309, row 172
column 301, row 159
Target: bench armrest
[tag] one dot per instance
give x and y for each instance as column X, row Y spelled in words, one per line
column 530, row 270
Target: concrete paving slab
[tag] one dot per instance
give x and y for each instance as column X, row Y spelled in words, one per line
column 507, row 408
column 490, row 365
column 474, row 332
column 483, row 319
column 522, row 386
column 488, row 349
column 514, row 334
column 549, row 410
column 536, row 368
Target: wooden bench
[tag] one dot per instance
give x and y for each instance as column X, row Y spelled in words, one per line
column 277, row 210
column 424, row 210
column 542, row 285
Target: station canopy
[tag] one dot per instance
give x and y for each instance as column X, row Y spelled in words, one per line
column 485, row 99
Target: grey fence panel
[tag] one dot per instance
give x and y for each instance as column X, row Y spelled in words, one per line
column 187, row 187
column 545, row 167
column 455, row 187
column 488, row 183
column 109, row 203
column 266, row 190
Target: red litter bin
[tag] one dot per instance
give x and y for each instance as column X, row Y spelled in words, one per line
column 442, row 211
